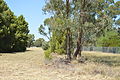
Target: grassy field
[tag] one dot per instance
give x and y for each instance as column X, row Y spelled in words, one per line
column 105, row 58
column 31, row 65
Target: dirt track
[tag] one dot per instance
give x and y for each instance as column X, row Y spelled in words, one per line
column 30, row 66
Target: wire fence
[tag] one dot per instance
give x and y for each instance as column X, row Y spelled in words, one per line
column 102, row 49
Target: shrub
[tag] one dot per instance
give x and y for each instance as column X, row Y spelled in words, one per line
column 45, row 45
column 47, row 54
column 60, row 51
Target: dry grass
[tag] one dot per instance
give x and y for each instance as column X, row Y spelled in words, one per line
column 30, row 66
column 106, row 58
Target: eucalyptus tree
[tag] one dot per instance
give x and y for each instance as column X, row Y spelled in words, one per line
column 110, row 39
column 94, row 17
column 86, row 20
column 60, row 21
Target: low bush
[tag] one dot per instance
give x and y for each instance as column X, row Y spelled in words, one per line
column 45, row 45
column 60, row 51
column 48, row 54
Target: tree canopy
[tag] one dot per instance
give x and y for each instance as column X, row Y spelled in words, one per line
column 13, row 30
column 75, row 23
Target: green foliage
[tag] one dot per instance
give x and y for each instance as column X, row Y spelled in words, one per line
column 41, row 30
column 110, row 39
column 13, row 30
column 7, row 28
column 86, row 18
column 48, row 54
column 39, row 42
column 57, row 42
column 45, row 45
column 21, row 35
column 60, row 51
column 30, row 41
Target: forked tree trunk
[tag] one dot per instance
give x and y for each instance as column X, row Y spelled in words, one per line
column 79, row 44
column 68, row 44
column 80, row 30
column 68, row 37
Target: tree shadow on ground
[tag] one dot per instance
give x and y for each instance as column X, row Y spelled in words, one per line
column 15, row 52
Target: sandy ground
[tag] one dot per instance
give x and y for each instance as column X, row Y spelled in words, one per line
column 31, row 65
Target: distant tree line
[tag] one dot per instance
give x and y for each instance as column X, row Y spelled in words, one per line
column 40, row 42
column 13, row 30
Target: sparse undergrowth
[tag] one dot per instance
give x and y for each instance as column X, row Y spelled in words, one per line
column 104, row 58
column 31, row 65
column 104, row 65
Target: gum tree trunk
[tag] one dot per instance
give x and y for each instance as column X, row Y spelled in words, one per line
column 68, row 37
column 80, row 30
column 79, row 44
column 68, row 45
